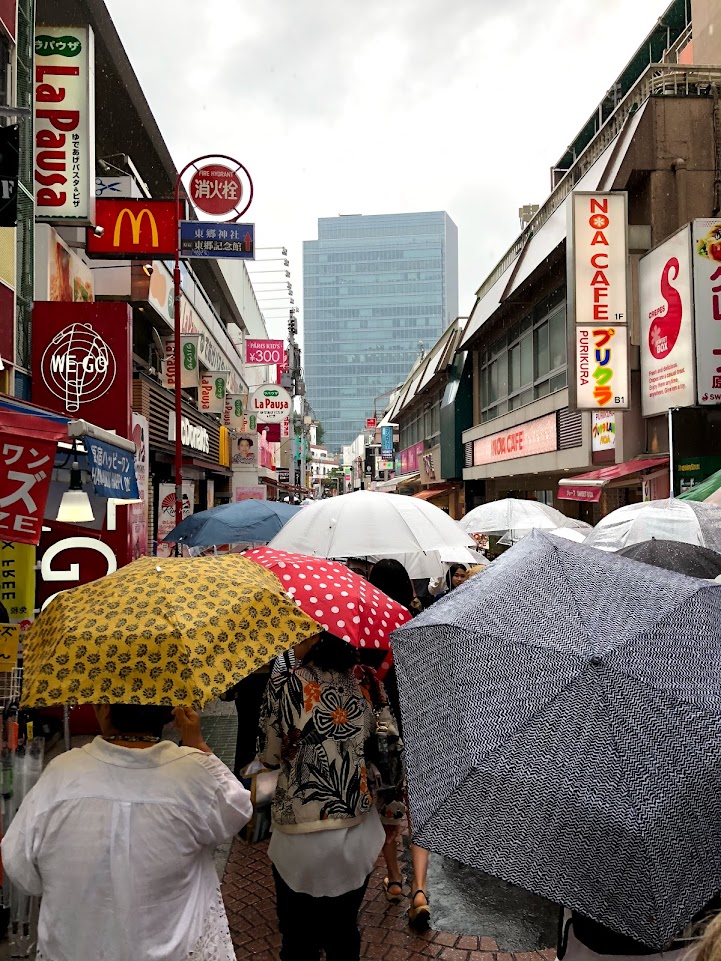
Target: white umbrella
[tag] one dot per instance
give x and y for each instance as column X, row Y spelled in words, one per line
column 435, row 563
column 372, row 524
column 516, row 515
column 570, row 533
column 671, row 520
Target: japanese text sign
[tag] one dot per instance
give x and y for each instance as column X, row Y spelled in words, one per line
column 133, row 229
column 64, row 108
column 598, row 300
column 112, row 470
column 217, row 240
column 216, row 189
column 387, row 441
column 667, row 336
column 17, row 581
column 264, row 352
column 707, row 309
column 26, row 467
column 9, row 646
column 270, row 403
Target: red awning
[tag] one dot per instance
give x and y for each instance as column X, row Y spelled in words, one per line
column 588, row 487
column 428, row 495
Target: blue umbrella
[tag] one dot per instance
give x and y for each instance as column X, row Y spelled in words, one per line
column 245, row 522
column 562, row 724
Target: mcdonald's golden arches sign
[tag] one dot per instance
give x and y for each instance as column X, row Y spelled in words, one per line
column 133, row 229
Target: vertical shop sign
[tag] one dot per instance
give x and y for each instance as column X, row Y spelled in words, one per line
column 667, row 334
column 387, row 442
column 213, row 389
column 598, row 301
column 139, row 512
column 64, row 111
column 25, row 473
column 707, row 309
column 166, row 514
column 189, row 370
column 17, row 581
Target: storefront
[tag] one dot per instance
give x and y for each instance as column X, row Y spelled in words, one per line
column 611, row 487
column 205, row 477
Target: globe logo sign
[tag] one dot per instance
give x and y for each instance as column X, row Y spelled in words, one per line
column 77, row 366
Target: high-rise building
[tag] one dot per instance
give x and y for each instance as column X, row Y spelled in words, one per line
column 377, row 291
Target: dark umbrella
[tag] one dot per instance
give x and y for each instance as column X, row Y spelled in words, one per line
column 245, row 522
column 562, row 720
column 691, row 559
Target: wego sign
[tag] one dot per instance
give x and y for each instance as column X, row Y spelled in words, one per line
column 133, row 229
column 77, row 366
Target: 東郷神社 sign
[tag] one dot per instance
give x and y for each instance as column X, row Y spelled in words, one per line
column 217, row 240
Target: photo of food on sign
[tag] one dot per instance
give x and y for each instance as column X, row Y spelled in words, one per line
column 710, row 245
column 245, row 453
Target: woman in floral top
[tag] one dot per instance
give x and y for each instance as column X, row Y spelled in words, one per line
column 319, row 726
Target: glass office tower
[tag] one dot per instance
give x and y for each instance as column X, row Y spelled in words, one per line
column 376, row 291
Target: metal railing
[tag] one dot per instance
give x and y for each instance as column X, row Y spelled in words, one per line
column 659, row 80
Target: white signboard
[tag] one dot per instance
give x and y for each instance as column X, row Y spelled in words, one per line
column 64, row 110
column 213, row 388
column 707, row 308
column 667, row 337
column 166, row 514
column 189, row 369
column 598, row 288
column 603, row 431
column 271, row 404
column 197, row 438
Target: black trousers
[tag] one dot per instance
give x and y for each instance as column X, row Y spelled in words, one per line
column 309, row 924
column 248, row 702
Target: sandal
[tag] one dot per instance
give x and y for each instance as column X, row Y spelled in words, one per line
column 390, row 896
column 419, row 917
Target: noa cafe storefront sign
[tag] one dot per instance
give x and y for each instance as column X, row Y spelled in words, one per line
column 271, row 404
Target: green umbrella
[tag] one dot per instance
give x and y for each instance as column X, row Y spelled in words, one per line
column 704, row 490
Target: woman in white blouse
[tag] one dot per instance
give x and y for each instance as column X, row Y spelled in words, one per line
column 118, row 838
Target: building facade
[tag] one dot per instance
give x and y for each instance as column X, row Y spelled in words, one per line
column 377, row 291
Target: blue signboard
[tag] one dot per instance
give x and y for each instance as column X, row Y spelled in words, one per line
column 387, row 442
column 112, row 470
column 217, row 240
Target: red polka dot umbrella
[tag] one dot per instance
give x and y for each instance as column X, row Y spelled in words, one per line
column 344, row 603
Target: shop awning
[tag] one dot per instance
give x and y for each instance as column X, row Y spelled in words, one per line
column 428, row 495
column 708, row 490
column 588, row 487
column 390, row 485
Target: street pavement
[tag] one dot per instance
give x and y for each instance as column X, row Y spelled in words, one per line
column 475, row 918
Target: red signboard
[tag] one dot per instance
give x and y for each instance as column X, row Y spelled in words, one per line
column 591, row 495
column 370, row 423
column 25, row 473
column 133, row 229
column 534, row 437
column 9, row 17
column 264, row 352
column 82, row 362
column 215, row 189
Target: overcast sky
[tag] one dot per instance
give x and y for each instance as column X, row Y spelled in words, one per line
column 382, row 106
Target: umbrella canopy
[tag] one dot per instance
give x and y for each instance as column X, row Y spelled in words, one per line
column 676, row 556
column 512, row 514
column 436, row 563
column 670, row 520
column 247, row 522
column 562, row 724
column 708, row 491
column 341, row 601
column 160, row 631
column 370, row 523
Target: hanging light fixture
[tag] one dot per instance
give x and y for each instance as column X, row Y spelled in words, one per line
column 75, row 504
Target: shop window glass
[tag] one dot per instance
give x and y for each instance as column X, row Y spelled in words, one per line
column 515, row 365
column 542, row 390
column 557, row 339
column 527, row 360
column 542, row 351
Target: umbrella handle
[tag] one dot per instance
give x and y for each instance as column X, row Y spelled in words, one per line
column 563, row 929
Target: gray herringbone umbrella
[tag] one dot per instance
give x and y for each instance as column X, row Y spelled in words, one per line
column 562, row 718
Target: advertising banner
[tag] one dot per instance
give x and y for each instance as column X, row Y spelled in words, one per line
column 603, row 431
column 189, row 369
column 17, row 580
column 139, row 512
column 112, row 470
column 27, row 467
column 213, row 388
column 245, row 452
column 241, row 492
column 166, row 514
column 535, row 437
column 234, row 417
column 387, row 442
column 64, row 110
column 60, row 275
column 82, row 361
column 270, row 403
column 602, row 371
column 264, row 352
column 133, row 229
column 707, row 309
column 667, row 328
column 598, row 300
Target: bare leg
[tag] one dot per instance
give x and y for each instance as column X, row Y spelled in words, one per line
column 393, row 883
column 419, row 913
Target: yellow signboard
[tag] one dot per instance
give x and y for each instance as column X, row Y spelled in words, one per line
column 17, row 581
column 9, row 646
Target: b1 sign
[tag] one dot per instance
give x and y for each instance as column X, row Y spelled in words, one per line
column 598, row 299
column 271, row 404
column 64, row 107
column 264, row 352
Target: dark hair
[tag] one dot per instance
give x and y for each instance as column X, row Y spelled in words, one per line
column 452, row 570
column 140, row 718
column 391, row 577
column 331, row 653
column 246, row 439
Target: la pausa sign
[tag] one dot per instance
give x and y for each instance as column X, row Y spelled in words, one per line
column 271, row 404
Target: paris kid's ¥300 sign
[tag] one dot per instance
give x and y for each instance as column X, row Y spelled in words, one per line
column 598, row 301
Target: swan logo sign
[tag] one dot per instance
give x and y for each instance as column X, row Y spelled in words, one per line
column 667, row 326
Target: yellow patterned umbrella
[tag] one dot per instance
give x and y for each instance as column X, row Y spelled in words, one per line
column 160, row 631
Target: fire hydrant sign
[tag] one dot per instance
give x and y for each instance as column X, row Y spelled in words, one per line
column 270, row 404
column 235, row 241
column 216, row 189
column 598, row 300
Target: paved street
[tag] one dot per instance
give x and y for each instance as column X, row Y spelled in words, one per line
column 475, row 917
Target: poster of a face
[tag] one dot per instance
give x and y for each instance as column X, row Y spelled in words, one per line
column 245, row 451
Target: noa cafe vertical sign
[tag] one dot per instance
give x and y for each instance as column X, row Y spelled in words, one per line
column 213, row 388
column 64, row 123
column 598, row 300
